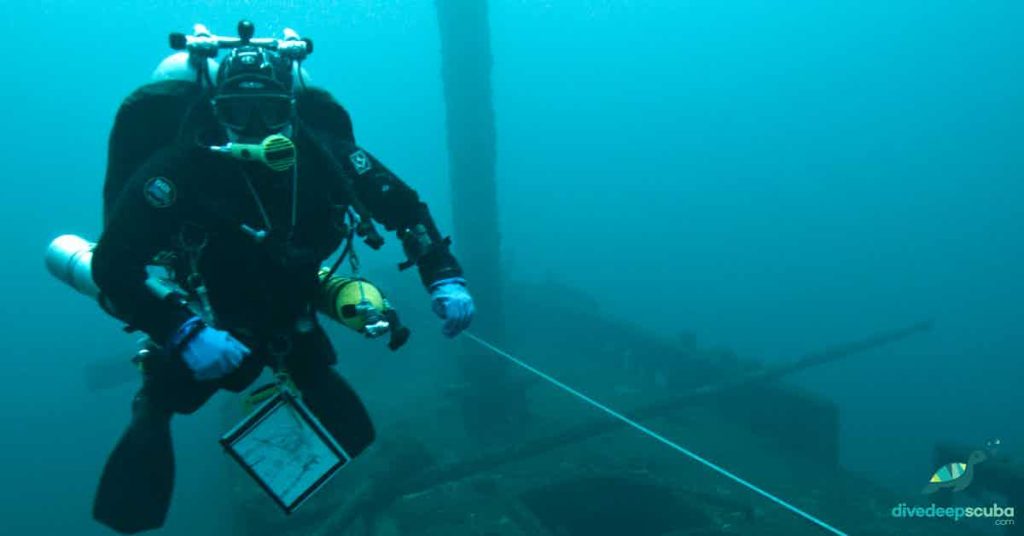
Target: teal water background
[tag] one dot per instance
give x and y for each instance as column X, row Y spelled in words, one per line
column 774, row 177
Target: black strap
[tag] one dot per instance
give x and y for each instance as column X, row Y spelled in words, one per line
column 367, row 229
column 344, row 253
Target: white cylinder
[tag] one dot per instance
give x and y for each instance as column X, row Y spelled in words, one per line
column 179, row 66
column 69, row 259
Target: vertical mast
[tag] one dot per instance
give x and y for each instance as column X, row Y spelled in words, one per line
column 466, row 74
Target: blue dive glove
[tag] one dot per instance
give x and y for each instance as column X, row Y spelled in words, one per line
column 452, row 302
column 209, row 352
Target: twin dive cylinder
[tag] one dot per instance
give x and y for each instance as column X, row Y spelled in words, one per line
column 353, row 302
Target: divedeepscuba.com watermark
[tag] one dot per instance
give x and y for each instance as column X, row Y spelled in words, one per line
column 1002, row 515
column 955, row 477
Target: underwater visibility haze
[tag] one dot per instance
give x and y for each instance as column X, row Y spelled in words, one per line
column 732, row 268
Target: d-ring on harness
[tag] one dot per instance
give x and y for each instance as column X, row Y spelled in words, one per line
column 192, row 239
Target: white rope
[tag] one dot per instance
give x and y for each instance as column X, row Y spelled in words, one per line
column 660, row 438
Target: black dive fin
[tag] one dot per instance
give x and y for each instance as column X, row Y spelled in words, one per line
column 135, row 489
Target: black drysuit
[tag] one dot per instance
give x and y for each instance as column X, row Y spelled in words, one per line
column 171, row 193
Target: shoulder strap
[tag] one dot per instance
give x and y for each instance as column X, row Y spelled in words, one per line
column 149, row 119
column 321, row 112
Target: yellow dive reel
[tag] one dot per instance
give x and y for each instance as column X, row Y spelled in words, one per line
column 359, row 305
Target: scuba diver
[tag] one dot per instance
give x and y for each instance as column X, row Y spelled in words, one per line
column 237, row 180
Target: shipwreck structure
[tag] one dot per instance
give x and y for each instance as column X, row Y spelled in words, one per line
column 574, row 471
column 485, row 448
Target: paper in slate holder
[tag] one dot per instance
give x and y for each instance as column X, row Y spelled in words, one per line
column 286, row 450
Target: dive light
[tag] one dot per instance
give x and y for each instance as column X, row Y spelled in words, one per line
column 276, row 152
column 69, row 259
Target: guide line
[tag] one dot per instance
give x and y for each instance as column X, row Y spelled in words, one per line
column 658, row 437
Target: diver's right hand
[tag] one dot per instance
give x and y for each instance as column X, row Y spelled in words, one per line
column 209, row 352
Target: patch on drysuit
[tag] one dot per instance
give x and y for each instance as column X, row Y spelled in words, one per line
column 160, row 192
column 361, row 161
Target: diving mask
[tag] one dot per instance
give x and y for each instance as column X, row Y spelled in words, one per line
column 254, row 115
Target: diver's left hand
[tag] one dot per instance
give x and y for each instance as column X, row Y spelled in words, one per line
column 452, row 302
